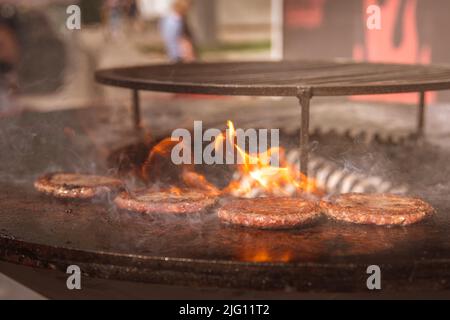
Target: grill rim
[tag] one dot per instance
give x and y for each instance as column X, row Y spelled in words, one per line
column 131, row 77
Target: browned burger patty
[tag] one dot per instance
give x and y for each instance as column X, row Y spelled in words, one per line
column 148, row 201
column 269, row 213
column 378, row 209
column 76, row 186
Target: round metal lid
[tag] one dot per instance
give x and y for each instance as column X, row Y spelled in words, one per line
column 284, row 78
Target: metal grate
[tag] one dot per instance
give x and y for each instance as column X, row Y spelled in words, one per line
column 280, row 78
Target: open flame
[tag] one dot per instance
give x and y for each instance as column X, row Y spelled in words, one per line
column 255, row 176
column 162, row 150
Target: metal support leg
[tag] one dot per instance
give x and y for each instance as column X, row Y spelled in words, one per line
column 304, row 97
column 136, row 109
column 421, row 115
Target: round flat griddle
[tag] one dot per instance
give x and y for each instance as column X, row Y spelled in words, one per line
column 198, row 250
column 283, row 78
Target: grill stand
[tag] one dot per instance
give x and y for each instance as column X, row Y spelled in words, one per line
column 136, row 104
column 304, row 97
column 219, row 79
column 421, row 115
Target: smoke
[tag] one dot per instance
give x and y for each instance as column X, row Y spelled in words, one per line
column 32, row 144
column 411, row 166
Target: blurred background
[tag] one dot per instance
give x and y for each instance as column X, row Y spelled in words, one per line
column 45, row 65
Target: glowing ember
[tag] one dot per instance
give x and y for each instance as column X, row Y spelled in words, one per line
column 175, row 190
column 264, row 255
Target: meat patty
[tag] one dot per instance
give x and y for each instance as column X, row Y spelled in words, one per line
column 269, row 213
column 76, row 186
column 180, row 202
column 378, row 209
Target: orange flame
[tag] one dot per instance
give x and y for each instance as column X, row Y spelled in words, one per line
column 197, row 181
column 256, row 176
column 162, row 149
